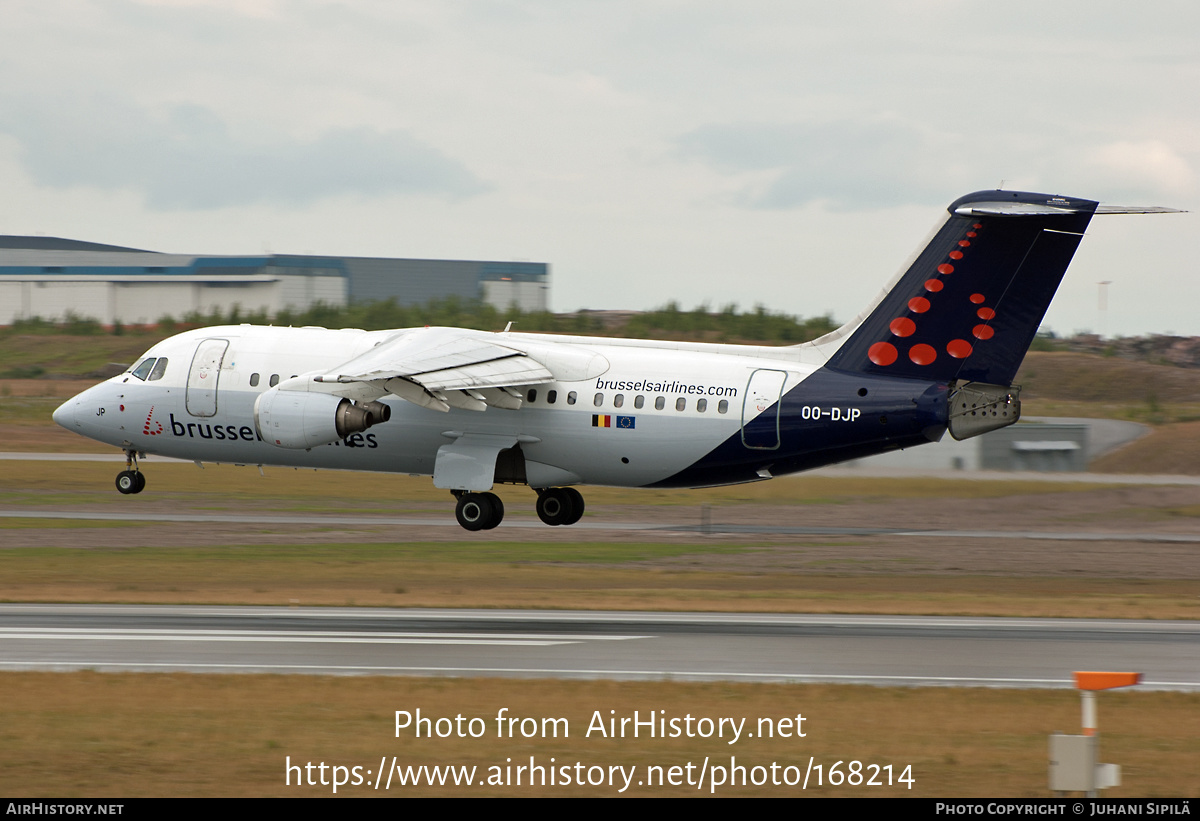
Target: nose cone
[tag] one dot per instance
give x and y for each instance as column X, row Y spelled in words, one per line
column 64, row 414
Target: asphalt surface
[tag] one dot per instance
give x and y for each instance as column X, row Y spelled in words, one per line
column 881, row 650
column 514, row 523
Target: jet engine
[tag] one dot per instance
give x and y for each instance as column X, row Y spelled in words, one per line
column 298, row 419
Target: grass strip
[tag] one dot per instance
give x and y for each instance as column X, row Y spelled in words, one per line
column 550, row 576
column 124, row 735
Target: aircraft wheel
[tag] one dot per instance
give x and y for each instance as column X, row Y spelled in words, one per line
column 476, row 512
column 556, row 506
column 497, row 510
column 130, row 481
column 141, row 481
column 576, row 503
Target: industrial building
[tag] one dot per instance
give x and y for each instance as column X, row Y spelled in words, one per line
column 1042, row 444
column 51, row 278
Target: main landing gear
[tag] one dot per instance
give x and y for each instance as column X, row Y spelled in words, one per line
column 559, row 505
column 483, row 511
column 131, row 480
column 479, row 511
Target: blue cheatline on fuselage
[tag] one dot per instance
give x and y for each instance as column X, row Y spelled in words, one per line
column 829, row 417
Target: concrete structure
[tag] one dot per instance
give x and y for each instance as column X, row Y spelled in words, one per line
column 1034, row 444
column 1045, row 446
column 52, row 278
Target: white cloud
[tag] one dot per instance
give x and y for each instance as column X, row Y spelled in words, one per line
column 849, row 164
column 648, row 150
column 1127, row 164
column 186, row 157
column 245, row 8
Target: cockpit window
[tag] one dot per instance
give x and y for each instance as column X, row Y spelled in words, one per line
column 143, row 368
column 160, row 367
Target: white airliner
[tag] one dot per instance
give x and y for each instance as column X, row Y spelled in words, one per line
column 937, row 350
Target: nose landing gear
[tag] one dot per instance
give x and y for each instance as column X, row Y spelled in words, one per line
column 131, row 480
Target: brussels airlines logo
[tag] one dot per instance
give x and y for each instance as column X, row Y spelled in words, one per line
column 244, row 433
column 146, row 429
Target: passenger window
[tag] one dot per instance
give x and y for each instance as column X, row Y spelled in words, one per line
column 723, row 406
column 143, row 369
column 274, row 379
column 701, row 405
column 660, row 403
column 551, row 397
column 531, row 396
column 571, row 397
column 638, row 401
column 599, row 400
column 254, row 380
column 160, row 368
column 619, row 400
column 680, row 404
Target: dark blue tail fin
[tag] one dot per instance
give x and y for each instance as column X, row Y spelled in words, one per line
column 970, row 304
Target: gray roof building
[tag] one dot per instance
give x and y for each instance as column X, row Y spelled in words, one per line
column 51, row 277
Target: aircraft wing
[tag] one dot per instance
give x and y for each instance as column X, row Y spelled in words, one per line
column 441, row 368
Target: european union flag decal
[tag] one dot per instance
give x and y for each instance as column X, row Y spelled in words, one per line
column 604, row 420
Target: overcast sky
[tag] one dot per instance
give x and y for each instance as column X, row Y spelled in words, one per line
column 785, row 153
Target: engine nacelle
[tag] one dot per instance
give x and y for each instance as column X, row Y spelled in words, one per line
column 299, row 419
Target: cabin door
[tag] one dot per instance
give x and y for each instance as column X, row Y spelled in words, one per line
column 202, row 378
column 760, row 409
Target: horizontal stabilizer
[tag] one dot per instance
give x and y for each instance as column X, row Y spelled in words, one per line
column 1136, row 209
column 1029, row 209
column 1014, row 209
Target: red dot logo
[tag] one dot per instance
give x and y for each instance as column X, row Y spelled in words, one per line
column 933, row 285
column 955, row 255
column 983, row 332
column 986, row 313
column 903, row 326
column 978, row 299
column 945, row 268
column 964, row 243
column 147, row 430
column 918, row 305
column 882, row 353
column 959, row 348
column 922, row 354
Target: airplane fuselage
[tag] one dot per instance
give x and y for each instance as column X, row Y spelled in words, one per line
column 665, row 414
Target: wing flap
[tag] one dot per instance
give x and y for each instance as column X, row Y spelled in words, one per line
column 498, row 373
column 433, row 366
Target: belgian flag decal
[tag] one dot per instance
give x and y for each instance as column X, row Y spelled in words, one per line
column 604, row 420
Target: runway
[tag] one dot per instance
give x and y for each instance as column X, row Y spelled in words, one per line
column 865, row 469
column 513, row 523
column 880, row 650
